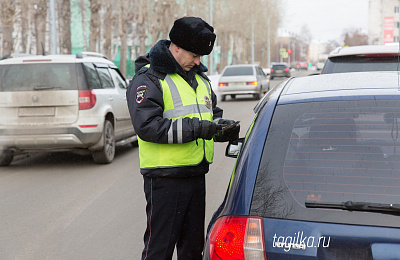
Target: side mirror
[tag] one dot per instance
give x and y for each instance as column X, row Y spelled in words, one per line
column 233, row 149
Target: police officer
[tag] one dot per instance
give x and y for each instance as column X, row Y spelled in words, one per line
column 174, row 113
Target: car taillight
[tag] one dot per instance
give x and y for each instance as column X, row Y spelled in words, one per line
column 253, row 83
column 271, row 71
column 222, row 84
column 87, row 99
column 287, row 69
column 235, row 238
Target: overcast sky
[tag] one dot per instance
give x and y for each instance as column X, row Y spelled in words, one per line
column 325, row 19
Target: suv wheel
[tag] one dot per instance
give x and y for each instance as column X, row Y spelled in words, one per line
column 6, row 157
column 106, row 154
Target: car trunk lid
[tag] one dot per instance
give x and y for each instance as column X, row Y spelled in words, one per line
column 39, row 107
column 237, row 80
column 39, row 94
column 329, row 241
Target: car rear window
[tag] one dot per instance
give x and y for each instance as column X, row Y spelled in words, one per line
column 330, row 152
column 238, row 71
column 355, row 63
column 279, row 67
column 43, row 76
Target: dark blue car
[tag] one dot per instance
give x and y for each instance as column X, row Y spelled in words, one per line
column 317, row 175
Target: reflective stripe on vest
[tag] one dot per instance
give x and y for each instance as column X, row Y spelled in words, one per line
column 180, row 101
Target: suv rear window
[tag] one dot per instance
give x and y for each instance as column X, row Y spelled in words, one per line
column 354, row 63
column 238, row 71
column 43, row 76
column 329, row 152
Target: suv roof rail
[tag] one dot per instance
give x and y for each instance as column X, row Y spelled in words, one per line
column 336, row 51
column 15, row 55
column 82, row 54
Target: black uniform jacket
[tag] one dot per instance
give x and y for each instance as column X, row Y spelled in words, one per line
column 146, row 106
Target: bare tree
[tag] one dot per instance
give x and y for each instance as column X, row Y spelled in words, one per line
column 83, row 15
column 109, row 21
column 94, row 37
column 122, row 35
column 25, row 21
column 64, row 22
column 353, row 37
column 7, row 16
column 142, row 24
column 40, row 18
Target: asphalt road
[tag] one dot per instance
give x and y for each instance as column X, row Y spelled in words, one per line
column 62, row 206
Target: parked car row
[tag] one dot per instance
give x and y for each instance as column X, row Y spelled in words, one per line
column 73, row 103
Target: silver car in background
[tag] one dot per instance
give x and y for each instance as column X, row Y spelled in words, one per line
column 243, row 79
column 74, row 103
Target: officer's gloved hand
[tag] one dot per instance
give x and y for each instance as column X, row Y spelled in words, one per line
column 207, row 129
column 228, row 134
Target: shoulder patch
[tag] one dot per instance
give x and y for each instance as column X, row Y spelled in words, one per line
column 141, row 93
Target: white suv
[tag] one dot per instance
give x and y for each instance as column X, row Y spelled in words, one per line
column 362, row 58
column 74, row 103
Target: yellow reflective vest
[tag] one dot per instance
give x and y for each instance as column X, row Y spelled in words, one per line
column 180, row 101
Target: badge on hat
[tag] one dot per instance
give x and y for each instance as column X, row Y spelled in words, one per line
column 208, row 102
column 141, row 93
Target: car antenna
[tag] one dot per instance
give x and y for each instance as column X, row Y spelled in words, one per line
column 44, row 51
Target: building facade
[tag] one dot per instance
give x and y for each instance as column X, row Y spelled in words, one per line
column 384, row 21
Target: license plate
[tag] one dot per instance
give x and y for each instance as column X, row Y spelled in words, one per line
column 36, row 111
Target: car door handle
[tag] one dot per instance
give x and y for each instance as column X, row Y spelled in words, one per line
column 111, row 99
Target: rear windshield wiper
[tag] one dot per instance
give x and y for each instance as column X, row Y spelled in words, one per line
column 357, row 206
column 42, row 87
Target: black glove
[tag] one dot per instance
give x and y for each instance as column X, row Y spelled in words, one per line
column 207, row 129
column 229, row 134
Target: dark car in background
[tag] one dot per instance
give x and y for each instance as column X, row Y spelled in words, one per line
column 317, row 175
column 363, row 58
column 302, row 65
column 280, row 70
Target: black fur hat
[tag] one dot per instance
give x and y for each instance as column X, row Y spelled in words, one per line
column 193, row 34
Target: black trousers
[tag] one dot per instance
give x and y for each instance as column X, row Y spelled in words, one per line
column 175, row 216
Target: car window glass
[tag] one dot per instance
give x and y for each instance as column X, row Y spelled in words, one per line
column 238, row 71
column 360, row 63
column 350, row 152
column 22, row 77
column 105, row 78
column 279, row 67
column 259, row 72
column 92, row 76
column 262, row 72
column 118, row 81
